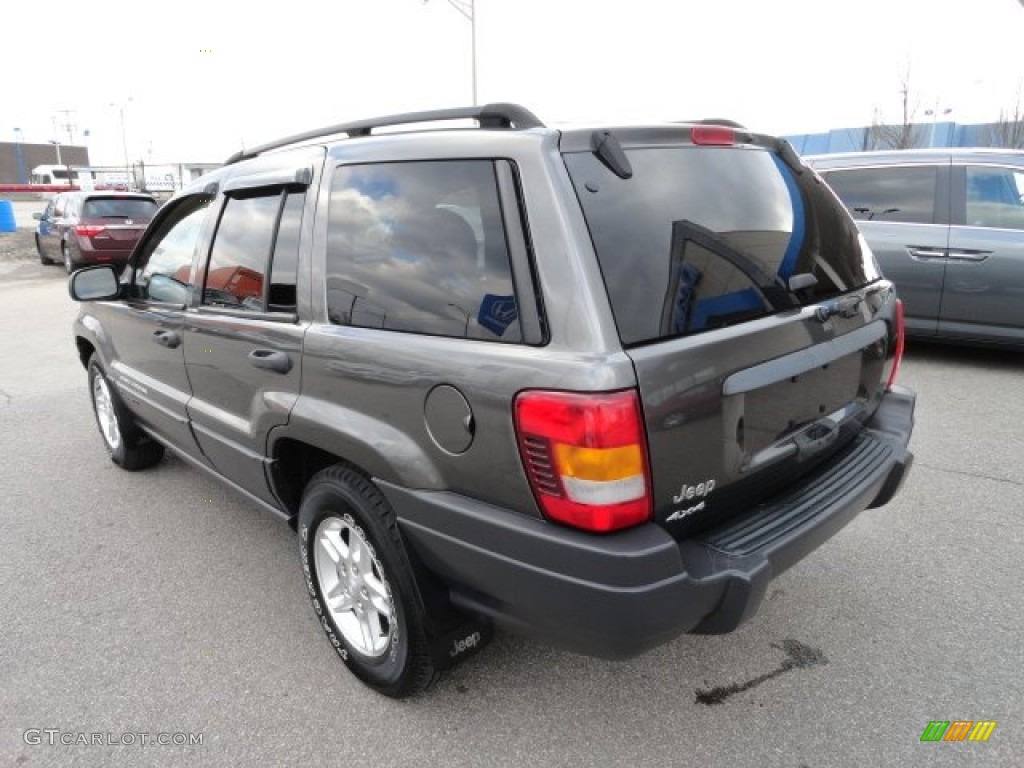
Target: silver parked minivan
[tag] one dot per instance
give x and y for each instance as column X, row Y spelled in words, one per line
column 947, row 227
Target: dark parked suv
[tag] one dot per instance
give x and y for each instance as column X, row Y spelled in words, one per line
column 80, row 228
column 596, row 385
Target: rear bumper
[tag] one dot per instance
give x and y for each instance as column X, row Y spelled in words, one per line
column 619, row 595
column 87, row 254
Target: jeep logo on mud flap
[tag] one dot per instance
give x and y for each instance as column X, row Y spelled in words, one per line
column 464, row 644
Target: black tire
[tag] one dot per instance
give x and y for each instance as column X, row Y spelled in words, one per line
column 129, row 447
column 39, row 249
column 340, row 504
column 65, row 254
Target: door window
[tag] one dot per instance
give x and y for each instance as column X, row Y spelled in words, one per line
column 420, row 247
column 995, row 197
column 162, row 270
column 904, row 194
column 258, row 235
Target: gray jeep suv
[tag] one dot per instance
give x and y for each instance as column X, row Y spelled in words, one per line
column 597, row 385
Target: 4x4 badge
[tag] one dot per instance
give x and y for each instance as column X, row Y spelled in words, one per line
column 679, row 514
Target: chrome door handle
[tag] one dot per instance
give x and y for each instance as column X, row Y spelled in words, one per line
column 973, row 256
column 926, row 254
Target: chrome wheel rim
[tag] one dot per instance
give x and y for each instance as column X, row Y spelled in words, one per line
column 354, row 587
column 105, row 412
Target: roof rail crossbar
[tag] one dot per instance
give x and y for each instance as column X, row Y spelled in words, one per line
column 500, row 115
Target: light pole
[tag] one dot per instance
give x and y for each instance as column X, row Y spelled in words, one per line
column 19, row 155
column 468, row 10
column 56, row 144
column 934, row 113
column 124, row 142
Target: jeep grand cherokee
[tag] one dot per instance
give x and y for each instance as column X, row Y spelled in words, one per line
column 598, row 385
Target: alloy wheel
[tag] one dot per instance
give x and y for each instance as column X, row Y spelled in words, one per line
column 105, row 414
column 354, row 586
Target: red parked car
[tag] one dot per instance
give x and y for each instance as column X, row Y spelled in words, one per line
column 81, row 228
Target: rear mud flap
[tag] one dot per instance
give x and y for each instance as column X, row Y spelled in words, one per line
column 459, row 642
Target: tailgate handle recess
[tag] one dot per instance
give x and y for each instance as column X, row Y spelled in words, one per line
column 807, row 443
column 816, row 438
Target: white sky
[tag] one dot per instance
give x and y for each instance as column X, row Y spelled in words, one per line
column 788, row 66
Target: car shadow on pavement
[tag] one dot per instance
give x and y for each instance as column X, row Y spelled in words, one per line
column 1006, row 358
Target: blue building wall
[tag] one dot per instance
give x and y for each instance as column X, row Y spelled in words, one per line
column 947, row 134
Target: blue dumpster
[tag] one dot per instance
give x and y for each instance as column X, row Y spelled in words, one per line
column 7, row 223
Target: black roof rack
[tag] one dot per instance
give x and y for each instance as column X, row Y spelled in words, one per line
column 499, row 115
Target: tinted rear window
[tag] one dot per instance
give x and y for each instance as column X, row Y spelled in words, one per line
column 887, row 194
column 704, row 237
column 118, row 208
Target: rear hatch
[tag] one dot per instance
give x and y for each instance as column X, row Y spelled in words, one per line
column 115, row 223
column 761, row 332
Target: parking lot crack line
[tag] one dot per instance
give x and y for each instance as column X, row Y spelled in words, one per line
column 981, row 475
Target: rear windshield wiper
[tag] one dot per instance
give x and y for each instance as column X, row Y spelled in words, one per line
column 775, row 294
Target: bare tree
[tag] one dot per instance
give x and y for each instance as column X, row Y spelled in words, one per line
column 1008, row 131
column 903, row 135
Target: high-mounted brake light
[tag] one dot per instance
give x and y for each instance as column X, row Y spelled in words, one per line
column 585, row 457
column 897, row 358
column 88, row 230
column 713, row 135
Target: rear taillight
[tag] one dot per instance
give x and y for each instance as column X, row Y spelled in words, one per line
column 586, row 458
column 88, row 230
column 713, row 135
column 897, row 357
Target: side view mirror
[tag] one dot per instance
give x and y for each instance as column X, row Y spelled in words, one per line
column 165, row 288
column 94, row 284
column 37, row 216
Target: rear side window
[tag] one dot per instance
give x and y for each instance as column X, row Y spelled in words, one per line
column 118, row 208
column 887, row 194
column 995, row 197
column 705, row 237
column 420, row 247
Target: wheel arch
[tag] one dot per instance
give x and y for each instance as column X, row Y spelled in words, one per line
column 295, row 463
column 86, row 349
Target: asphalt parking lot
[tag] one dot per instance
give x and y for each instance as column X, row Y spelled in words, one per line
column 159, row 602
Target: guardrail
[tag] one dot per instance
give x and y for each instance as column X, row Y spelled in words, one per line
column 57, row 187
